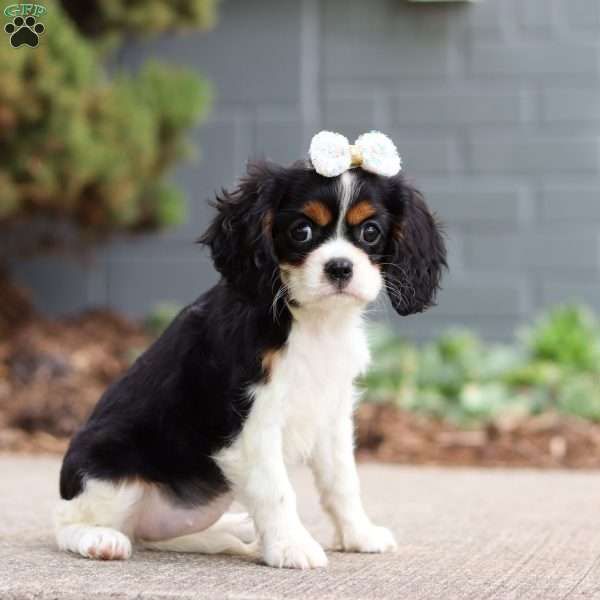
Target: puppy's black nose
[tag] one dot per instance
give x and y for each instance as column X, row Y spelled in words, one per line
column 338, row 270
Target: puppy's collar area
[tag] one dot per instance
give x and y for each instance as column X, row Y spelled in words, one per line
column 332, row 154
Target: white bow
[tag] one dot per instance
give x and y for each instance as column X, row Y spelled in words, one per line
column 331, row 154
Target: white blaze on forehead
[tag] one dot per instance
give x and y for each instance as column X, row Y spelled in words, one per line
column 346, row 188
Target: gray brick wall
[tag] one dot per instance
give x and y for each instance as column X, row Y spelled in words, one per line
column 495, row 107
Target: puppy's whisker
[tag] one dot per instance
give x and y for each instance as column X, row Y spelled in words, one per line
column 280, row 294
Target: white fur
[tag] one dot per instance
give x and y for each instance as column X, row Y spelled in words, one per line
column 99, row 522
column 233, row 533
column 346, row 190
column 309, row 286
column 304, row 412
column 106, row 517
column 335, row 474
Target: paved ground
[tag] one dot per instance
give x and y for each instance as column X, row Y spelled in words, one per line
column 462, row 533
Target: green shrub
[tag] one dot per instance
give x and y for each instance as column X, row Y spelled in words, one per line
column 80, row 148
column 109, row 17
column 553, row 365
column 580, row 395
column 568, row 336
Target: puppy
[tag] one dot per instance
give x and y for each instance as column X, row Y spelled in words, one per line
column 254, row 375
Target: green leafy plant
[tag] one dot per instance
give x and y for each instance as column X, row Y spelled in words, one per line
column 76, row 146
column 553, row 365
column 117, row 17
column 580, row 396
column 86, row 153
column 568, row 336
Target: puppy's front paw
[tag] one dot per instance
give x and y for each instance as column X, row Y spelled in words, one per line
column 369, row 538
column 294, row 552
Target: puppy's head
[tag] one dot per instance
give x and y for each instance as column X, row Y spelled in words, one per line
column 326, row 241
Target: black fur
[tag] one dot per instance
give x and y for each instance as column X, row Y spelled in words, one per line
column 240, row 238
column 186, row 396
column 416, row 253
column 182, row 400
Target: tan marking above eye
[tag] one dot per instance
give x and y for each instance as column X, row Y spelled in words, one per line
column 317, row 212
column 359, row 212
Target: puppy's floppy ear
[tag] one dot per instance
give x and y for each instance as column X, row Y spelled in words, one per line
column 416, row 253
column 240, row 237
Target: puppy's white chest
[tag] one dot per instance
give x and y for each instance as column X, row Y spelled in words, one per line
column 309, row 387
column 312, row 381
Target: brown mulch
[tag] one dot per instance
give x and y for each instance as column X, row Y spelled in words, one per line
column 548, row 440
column 53, row 372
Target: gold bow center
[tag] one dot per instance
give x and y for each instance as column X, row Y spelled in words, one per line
column 355, row 156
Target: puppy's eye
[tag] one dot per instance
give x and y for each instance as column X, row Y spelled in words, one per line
column 370, row 233
column 301, row 232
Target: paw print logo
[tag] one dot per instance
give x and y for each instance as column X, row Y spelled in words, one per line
column 24, row 32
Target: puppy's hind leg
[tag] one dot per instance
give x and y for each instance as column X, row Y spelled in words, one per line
column 239, row 524
column 233, row 533
column 98, row 522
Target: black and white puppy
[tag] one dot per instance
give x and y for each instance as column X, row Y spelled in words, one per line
column 254, row 375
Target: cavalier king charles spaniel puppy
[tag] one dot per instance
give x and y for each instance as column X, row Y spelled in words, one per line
column 258, row 372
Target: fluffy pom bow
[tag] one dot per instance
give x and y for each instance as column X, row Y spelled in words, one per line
column 331, row 154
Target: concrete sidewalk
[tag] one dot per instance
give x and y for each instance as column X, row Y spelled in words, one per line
column 462, row 534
